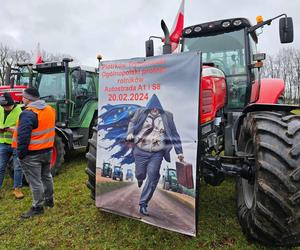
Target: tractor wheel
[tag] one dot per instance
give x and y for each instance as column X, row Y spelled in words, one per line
column 91, row 166
column 58, row 153
column 269, row 206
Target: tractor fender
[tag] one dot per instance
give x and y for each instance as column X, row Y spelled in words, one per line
column 66, row 135
column 90, row 112
column 254, row 108
column 269, row 91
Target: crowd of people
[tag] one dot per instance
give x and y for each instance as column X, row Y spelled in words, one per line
column 27, row 139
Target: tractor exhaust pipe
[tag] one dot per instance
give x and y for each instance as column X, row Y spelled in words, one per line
column 167, row 48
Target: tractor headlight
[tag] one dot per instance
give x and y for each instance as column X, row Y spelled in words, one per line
column 225, row 24
column 188, row 31
column 197, row 29
column 237, row 22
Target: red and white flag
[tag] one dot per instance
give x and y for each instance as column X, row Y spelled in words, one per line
column 177, row 28
column 39, row 58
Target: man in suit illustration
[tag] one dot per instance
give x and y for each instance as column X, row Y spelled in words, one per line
column 154, row 134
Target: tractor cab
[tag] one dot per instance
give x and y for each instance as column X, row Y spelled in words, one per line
column 17, row 78
column 230, row 45
column 19, row 75
column 24, row 75
column 69, row 88
column 72, row 91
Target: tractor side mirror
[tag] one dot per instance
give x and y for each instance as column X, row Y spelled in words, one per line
column 286, row 30
column 149, row 48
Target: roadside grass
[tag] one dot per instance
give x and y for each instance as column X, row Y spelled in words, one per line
column 104, row 187
column 75, row 222
column 296, row 112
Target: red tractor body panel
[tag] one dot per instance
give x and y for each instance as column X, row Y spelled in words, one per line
column 213, row 93
column 16, row 92
column 270, row 91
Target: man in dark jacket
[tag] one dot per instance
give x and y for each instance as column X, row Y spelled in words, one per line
column 154, row 133
column 34, row 140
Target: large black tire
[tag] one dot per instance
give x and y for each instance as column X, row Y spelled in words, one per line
column 269, row 207
column 57, row 155
column 91, row 166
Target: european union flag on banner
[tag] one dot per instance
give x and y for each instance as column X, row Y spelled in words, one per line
column 115, row 121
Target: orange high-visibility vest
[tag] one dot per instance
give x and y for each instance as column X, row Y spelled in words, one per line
column 43, row 136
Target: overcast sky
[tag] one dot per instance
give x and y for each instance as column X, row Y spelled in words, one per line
column 118, row 29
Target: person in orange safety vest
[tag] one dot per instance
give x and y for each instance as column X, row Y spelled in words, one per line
column 34, row 140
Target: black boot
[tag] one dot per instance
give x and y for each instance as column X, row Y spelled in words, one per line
column 143, row 210
column 49, row 203
column 140, row 183
column 33, row 211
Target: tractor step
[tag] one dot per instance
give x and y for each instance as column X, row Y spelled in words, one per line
column 77, row 147
column 77, row 137
column 77, row 141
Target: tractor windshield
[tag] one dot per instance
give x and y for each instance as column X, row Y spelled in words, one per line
column 227, row 52
column 24, row 77
column 106, row 165
column 52, row 86
column 172, row 173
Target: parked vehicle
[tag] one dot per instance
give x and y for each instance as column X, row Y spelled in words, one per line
column 106, row 170
column 71, row 90
column 244, row 132
column 170, row 182
column 129, row 175
column 117, row 173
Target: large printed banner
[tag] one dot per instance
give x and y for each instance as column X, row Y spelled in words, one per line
column 147, row 139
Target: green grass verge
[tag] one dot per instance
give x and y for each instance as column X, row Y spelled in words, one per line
column 105, row 187
column 296, row 112
column 75, row 222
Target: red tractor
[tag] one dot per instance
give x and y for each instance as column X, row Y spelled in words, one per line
column 17, row 79
column 244, row 132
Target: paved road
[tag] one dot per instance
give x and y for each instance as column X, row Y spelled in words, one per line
column 165, row 210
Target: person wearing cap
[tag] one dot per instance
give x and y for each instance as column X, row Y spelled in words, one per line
column 34, row 140
column 9, row 114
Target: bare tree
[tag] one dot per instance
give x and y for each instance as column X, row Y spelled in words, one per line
column 286, row 65
column 20, row 56
column 4, row 56
column 10, row 58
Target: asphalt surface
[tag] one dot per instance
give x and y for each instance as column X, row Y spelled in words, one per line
column 165, row 210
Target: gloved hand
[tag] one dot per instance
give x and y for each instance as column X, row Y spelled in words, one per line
column 180, row 157
column 130, row 137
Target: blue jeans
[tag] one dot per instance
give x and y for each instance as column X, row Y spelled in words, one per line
column 147, row 166
column 6, row 151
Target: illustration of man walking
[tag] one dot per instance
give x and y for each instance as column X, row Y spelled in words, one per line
column 154, row 133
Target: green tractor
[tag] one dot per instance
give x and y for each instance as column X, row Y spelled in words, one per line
column 106, row 170
column 71, row 90
column 170, row 182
